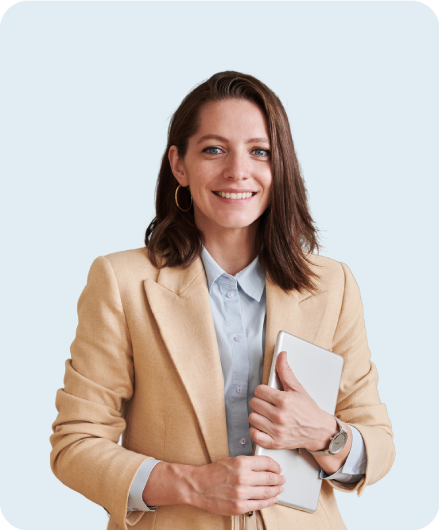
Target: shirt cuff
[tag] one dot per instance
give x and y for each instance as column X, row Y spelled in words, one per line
column 354, row 468
column 135, row 500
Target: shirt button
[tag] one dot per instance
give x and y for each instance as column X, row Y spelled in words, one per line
column 239, row 389
column 230, row 294
column 243, row 441
column 237, row 338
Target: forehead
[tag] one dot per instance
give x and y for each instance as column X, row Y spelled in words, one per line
column 232, row 117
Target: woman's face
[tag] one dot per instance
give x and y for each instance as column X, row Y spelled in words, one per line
column 227, row 165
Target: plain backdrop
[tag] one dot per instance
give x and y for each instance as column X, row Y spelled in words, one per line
column 86, row 93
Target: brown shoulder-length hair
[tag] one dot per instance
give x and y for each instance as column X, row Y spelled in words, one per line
column 286, row 230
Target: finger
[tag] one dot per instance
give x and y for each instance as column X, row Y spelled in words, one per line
column 263, row 439
column 254, row 505
column 264, row 492
column 261, row 423
column 271, row 395
column 286, row 374
column 266, row 478
column 264, row 463
column 262, row 407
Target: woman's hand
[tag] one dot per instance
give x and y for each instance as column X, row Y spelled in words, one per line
column 230, row 486
column 289, row 419
column 235, row 485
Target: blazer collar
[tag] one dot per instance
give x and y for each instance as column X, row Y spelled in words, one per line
column 179, row 301
column 177, row 279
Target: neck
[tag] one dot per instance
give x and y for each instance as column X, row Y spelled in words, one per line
column 232, row 248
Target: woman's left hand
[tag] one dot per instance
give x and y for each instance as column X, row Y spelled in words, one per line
column 289, row 419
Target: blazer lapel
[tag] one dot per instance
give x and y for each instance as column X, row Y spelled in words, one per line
column 180, row 303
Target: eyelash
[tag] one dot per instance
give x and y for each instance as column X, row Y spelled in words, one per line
column 255, row 149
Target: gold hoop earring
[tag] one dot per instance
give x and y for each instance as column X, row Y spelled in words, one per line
column 176, row 200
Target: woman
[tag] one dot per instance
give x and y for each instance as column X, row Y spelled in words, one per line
column 175, row 339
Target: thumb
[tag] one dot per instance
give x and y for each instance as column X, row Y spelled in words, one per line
column 286, row 375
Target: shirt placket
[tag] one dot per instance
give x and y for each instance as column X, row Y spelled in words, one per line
column 237, row 413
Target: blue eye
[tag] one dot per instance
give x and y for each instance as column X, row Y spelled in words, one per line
column 261, row 152
column 208, row 149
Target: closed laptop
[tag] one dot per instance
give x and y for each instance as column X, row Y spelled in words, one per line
column 319, row 372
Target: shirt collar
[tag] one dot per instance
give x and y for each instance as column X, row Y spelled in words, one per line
column 212, row 269
column 251, row 279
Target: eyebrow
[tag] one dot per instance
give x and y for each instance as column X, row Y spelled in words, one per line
column 222, row 139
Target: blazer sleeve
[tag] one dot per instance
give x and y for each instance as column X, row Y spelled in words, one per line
column 98, row 378
column 358, row 400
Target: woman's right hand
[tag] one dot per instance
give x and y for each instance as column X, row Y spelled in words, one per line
column 235, row 485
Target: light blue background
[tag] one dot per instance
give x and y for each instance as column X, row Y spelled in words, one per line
column 86, row 93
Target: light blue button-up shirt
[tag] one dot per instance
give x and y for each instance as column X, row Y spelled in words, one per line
column 238, row 309
column 238, row 305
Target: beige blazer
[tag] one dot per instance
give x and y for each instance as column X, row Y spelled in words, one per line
column 145, row 364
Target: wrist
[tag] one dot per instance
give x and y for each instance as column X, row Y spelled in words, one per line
column 328, row 429
column 167, row 484
column 332, row 463
column 185, row 483
column 192, row 491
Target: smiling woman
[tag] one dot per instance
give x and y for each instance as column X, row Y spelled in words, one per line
column 253, row 153
column 175, row 339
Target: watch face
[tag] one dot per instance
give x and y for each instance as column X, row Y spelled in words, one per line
column 338, row 442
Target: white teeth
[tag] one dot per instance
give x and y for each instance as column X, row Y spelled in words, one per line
column 245, row 195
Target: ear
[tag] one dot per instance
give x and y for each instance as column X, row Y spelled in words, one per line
column 177, row 166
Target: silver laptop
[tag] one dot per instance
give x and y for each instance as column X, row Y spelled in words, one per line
column 319, row 372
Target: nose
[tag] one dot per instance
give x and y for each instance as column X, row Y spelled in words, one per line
column 237, row 167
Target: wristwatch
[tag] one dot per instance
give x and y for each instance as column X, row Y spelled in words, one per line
column 337, row 442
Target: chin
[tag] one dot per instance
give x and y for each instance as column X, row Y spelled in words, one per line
column 235, row 223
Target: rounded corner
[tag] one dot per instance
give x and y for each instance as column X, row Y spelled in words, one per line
column 8, row 9
column 429, row 8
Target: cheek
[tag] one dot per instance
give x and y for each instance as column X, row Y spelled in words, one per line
column 267, row 184
column 199, row 181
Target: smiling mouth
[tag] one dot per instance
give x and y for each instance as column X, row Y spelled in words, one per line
column 243, row 195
